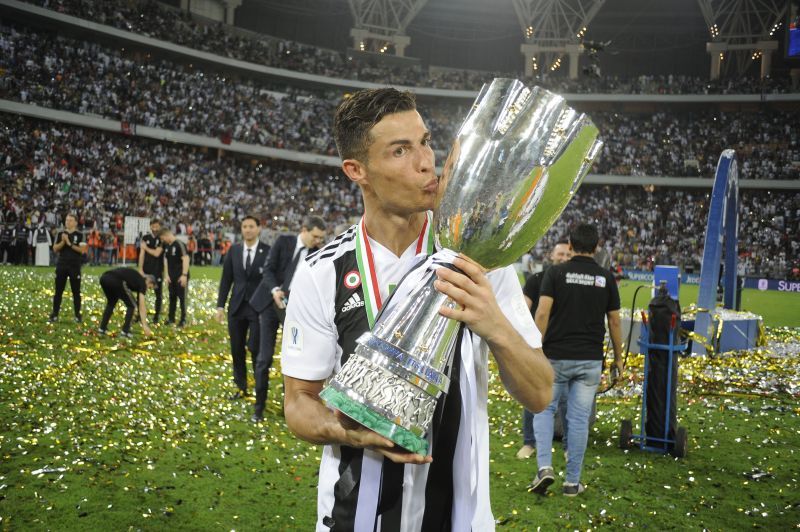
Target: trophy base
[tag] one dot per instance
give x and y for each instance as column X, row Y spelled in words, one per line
column 374, row 421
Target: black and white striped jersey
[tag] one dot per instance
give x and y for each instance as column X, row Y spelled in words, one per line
column 359, row 489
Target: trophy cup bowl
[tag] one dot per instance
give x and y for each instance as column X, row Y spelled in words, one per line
column 518, row 158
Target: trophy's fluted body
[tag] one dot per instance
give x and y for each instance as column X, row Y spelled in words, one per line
column 518, row 158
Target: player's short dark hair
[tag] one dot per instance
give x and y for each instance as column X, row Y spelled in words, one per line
column 249, row 217
column 71, row 214
column 155, row 221
column 561, row 241
column 150, row 278
column 359, row 112
column 313, row 222
column 584, row 238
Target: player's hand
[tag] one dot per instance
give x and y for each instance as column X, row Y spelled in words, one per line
column 220, row 316
column 277, row 297
column 65, row 238
column 361, row 437
column 473, row 293
column 167, row 279
column 183, row 280
column 147, row 331
column 141, row 272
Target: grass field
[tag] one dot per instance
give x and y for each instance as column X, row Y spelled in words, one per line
column 108, row 433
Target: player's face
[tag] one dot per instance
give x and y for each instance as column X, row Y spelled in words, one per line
column 400, row 164
column 250, row 230
column 70, row 223
column 155, row 228
column 561, row 253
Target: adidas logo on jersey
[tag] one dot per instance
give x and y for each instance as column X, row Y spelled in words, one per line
column 355, row 301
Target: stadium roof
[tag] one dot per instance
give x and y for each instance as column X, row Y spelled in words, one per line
column 646, row 36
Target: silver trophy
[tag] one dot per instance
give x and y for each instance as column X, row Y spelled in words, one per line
column 518, row 158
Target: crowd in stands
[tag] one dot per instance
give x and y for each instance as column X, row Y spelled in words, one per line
column 48, row 169
column 150, row 18
column 81, row 77
column 642, row 227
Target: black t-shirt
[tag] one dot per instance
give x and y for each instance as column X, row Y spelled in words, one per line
column 174, row 254
column 68, row 256
column 7, row 235
column 130, row 278
column 153, row 265
column 582, row 293
column 531, row 289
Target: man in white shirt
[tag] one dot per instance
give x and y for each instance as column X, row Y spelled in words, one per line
column 365, row 481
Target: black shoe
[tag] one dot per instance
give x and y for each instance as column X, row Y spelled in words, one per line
column 170, row 322
column 181, row 324
column 542, row 481
column 257, row 418
column 126, row 334
column 52, row 319
column 78, row 318
column 102, row 332
column 573, row 490
column 239, row 394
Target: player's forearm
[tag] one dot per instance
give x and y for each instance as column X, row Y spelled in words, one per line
column 309, row 419
column 524, row 371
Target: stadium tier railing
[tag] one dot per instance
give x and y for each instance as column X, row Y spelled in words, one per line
column 61, row 20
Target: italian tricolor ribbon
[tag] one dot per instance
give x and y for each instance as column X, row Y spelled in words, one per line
column 366, row 264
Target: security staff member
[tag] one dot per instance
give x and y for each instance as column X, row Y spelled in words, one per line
column 70, row 247
column 176, row 273
column 150, row 262
column 575, row 299
column 120, row 284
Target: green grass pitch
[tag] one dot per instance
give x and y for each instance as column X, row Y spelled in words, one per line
column 108, row 433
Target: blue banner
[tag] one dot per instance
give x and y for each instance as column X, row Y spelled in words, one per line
column 647, row 277
column 779, row 285
column 757, row 283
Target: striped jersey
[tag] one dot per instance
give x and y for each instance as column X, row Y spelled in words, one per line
column 358, row 488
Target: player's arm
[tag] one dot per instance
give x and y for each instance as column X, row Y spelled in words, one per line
column 615, row 332
column 142, row 253
column 524, row 370
column 225, row 283
column 184, row 279
column 143, row 314
column 60, row 243
column 542, row 317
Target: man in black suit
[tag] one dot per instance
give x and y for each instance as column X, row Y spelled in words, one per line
column 242, row 270
column 272, row 295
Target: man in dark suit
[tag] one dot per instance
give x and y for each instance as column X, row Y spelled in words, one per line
column 242, row 270
column 272, row 295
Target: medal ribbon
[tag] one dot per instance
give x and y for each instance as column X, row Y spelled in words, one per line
column 366, row 265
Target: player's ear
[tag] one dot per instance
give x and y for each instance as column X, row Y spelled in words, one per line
column 355, row 170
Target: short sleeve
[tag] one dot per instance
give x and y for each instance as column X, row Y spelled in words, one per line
column 548, row 283
column 613, row 294
column 532, row 287
column 310, row 341
column 509, row 296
